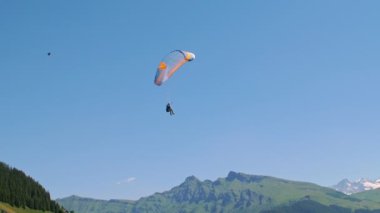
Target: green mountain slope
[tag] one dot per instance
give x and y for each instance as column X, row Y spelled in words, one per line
column 237, row 192
column 310, row 206
column 79, row 204
column 373, row 195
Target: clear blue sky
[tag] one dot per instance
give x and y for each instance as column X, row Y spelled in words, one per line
column 281, row 88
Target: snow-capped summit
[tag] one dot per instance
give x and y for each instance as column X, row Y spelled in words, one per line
column 350, row 187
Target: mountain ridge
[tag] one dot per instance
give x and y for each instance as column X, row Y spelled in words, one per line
column 238, row 192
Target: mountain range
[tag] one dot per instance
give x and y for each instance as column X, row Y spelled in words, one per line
column 238, row 192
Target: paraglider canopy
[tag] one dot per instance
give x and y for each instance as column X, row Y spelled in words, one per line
column 170, row 64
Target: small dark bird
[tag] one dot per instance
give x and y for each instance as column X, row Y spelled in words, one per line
column 49, row 53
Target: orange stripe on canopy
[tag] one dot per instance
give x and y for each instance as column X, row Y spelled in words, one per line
column 172, row 71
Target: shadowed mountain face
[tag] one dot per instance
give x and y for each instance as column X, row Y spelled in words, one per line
column 237, row 192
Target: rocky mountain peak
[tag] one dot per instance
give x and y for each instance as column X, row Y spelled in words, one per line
column 191, row 179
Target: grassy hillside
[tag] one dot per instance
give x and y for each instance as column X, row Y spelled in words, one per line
column 9, row 209
column 310, row 206
column 373, row 195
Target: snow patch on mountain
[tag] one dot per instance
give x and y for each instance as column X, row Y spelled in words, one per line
column 350, row 187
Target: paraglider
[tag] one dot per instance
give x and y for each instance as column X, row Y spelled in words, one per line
column 168, row 66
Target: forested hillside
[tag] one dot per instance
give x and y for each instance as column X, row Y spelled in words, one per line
column 20, row 190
